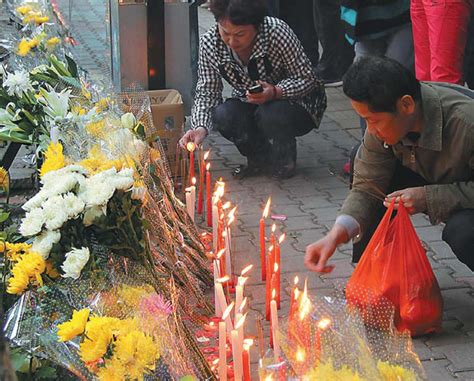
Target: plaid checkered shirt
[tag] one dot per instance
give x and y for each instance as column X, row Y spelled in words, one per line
column 277, row 58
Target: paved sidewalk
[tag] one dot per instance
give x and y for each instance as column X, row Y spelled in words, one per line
column 311, row 201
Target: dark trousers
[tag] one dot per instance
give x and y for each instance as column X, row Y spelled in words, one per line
column 458, row 232
column 263, row 133
column 469, row 55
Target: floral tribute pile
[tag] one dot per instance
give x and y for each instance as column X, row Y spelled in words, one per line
column 95, row 275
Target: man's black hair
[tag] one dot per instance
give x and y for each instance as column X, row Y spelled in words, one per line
column 240, row 12
column 379, row 82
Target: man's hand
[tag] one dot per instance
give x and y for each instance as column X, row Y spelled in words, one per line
column 414, row 199
column 318, row 253
column 269, row 93
column 196, row 136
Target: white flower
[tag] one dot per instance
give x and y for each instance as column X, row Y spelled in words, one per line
column 37, row 199
column 75, row 261
column 73, row 205
column 138, row 193
column 93, row 213
column 55, row 213
column 56, row 104
column 123, row 180
column 128, row 121
column 17, row 83
column 95, row 192
column 61, row 183
column 32, row 223
column 137, row 148
column 44, row 242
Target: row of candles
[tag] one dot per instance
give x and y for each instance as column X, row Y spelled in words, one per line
column 220, row 216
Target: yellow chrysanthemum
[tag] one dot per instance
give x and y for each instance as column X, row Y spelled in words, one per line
column 97, row 161
column 4, row 180
column 96, row 129
column 51, row 43
column 137, row 353
column 34, row 42
column 391, row 372
column 16, row 250
column 98, row 334
column 131, row 296
column 29, row 267
column 102, row 104
column 54, row 158
column 23, row 48
column 24, row 9
column 41, row 19
column 327, row 372
column 113, row 371
column 74, row 327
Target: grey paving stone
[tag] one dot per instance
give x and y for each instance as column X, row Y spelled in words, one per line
column 441, row 250
column 437, row 370
column 305, row 222
column 459, row 268
column 446, row 280
column 430, row 233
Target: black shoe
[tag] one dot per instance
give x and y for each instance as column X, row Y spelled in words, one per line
column 284, row 172
column 244, row 171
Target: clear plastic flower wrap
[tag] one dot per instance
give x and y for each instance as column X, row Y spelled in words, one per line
column 325, row 338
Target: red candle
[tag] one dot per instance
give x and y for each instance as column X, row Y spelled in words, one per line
column 278, row 261
column 208, row 195
column 201, row 183
column 191, row 147
column 293, row 298
column 262, row 238
column 268, row 289
column 246, row 362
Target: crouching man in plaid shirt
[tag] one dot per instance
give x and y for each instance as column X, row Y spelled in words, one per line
column 276, row 95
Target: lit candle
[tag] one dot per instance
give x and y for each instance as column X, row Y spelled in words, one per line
column 201, row 183
column 239, row 296
column 278, row 275
column 262, row 238
column 268, row 288
column 274, row 315
column 222, row 345
column 208, row 194
column 246, row 358
column 293, row 297
column 216, row 297
column 191, row 147
column 216, row 235
column 191, row 198
column 222, row 300
column 237, row 350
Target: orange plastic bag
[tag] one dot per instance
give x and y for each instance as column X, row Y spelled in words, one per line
column 394, row 266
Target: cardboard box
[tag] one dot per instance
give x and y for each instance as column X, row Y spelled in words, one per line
column 168, row 118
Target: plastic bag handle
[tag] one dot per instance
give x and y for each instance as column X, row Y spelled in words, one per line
column 385, row 223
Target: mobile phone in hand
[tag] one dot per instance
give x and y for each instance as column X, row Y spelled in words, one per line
column 255, row 89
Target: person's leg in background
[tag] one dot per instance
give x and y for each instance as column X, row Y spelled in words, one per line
column 459, row 235
column 273, row 7
column 338, row 53
column 299, row 16
column 281, row 121
column 421, row 40
column 469, row 55
column 235, row 120
column 400, row 47
column 447, row 23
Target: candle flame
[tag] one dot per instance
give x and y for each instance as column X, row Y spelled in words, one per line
column 227, row 205
column 267, row 208
column 274, row 228
column 246, row 270
column 220, row 253
column 206, row 154
column 241, row 322
column 231, row 220
column 275, row 267
column 324, row 323
column 282, row 238
column 270, row 248
column 215, row 362
column 242, row 305
column 190, row 146
column 242, row 279
column 297, row 279
column 305, row 303
column 249, row 342
column 269, row 378
column 297, row 293
column 224, row 279
column 227, row 311
column 300, row 355
column 193, row 181
column 273, row 293
column 208, row 166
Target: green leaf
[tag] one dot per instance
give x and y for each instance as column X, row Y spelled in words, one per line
column 4, row 216
column 71, row 81
column 46, row 372
column 140, row 130
column 71, row 65
column 12, row 136
column 19, row 360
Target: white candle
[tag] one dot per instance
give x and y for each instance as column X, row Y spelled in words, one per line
column 228, row 262
column 274, row 317
column 222, row 352
column 215, row 223
column 223, row 304
column 237, row 355
column 239, row 296
column 239, row 328
column 218, row 308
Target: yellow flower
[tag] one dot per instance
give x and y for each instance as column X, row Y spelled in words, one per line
column 78, row 110
column 96, row 129
column 29, row 267
column 99, row 335
column 97, row 161
column 131, row 296
column 391, row 372
column 51, row 43
column 24, row 9
column 74, row 327
column 34, row 42
column 54, row 159
column 137, row 353
column 113, row 371
column 327, row 372
column 102, row 104
column 16, row 250
column 41, row 19
column 24, row 47
column 51, row 271
column 4, row 180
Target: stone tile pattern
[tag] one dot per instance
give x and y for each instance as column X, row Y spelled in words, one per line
column 311, row 201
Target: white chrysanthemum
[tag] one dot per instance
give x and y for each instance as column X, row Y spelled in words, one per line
column 37, row 200
column 32, row 223
column 93, row 213
column 73, row 205
column 52, row 176
column 123, row 180
column 55, row 213
column 63, row 183
column 96, row 191
column 75, row 261
column 17, row 83
column 44, row 242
